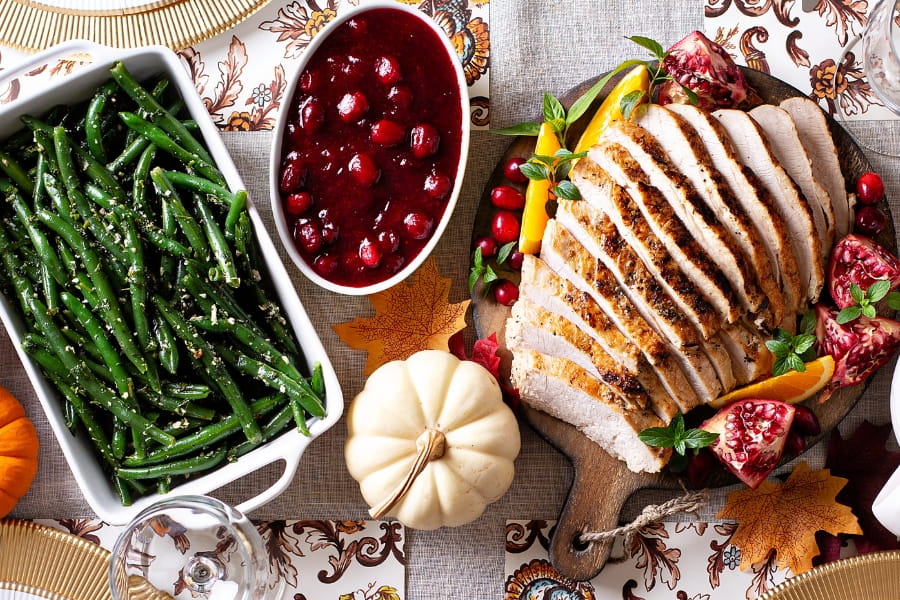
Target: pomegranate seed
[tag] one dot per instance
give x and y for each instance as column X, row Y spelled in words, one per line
column 515, row 260
column 511, row 170
column 309, row 81
column 869, row 188
column 387, row 133
column 418, row 225
column 505, row 227
column 298, row 203
column 292, row 173
column 325, row 265
column 352, row 107
column 508, row 197
column 308, row 235
column 806, row 421
column 369, row 253
column 389, row 241
column 424, row 140
column 401, row 97
column 487, row 244
column 506, row 292
column 312, row 115
column 364, row 169
column 870, row 220
column 438, row 185
column 795, row 444
column 387, row 69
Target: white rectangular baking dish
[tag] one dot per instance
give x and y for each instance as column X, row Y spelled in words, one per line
column 289, row 446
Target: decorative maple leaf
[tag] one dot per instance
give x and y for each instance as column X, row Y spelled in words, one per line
column 865, row 461
column 786, row 516
column 409, row 317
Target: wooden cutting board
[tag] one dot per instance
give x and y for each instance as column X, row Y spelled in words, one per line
column 602, row 484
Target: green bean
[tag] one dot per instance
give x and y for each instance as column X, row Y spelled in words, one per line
column 187, row 466
column 38, row 239
column 190, row 391
column 165, row 343
column 37, row 196
column 57, row 201
column 182, row 407
column 276, row 425
column 156, row 112
column 299, row 416
column 317, row 381
column 131, row 153
column 214, row 366
column 86, row 417
column 137, row 443
column 201, row 185
column 251, row 340
column 119, row 440
column 122, row 490
column 164, row 485
column 93, row 119
column 220, row 249
column 137, row 284
column 161, row 140
column 185, row 221
column 237, row 208
column 51, row 290
column 141, row 175
column 15, row 172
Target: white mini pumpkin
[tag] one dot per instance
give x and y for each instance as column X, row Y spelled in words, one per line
column 430, row 440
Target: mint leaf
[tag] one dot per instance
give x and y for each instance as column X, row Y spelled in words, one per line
column 567, row 190
column 778, row 347
column 878, row 290
column 675, row 436
column 630, row 101
column 780, row 366
column 856, row 293
column 893, row 301
column 580, row 106
column 553, row 109
column 794, row 363
column 699, row 438
column 527, row 129
column 534, row 171
column 504, row 251
column 489, row 275
column 808, row 322
column 660, row 437
column 803, row 342
column 868, row 310
column 851, row 313
column 650, row 44
column 477, row 269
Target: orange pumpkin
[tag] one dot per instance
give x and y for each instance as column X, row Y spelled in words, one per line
column 18, row 452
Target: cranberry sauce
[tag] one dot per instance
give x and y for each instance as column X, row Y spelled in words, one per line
column 371, row 147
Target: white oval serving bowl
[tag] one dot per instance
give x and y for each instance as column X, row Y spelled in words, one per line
column 275, row 159
column 289, row 446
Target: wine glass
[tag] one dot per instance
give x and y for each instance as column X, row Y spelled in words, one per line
column 191, row 547
column 881, row 62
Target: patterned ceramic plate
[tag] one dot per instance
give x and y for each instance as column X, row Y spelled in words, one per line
column 35, row 26
column 863, row 577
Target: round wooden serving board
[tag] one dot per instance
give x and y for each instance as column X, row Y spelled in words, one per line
column 601, row 484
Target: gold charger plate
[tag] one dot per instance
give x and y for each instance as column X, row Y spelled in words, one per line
column 34, row 26
column 42, row 561
column 865, row 577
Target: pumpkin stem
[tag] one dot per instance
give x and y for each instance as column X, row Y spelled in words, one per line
column 431, row 444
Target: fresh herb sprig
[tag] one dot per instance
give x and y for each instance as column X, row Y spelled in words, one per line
column 482, row 270
column 679, row 439
column 792, row 352
column 555, row 168
column 865, row 301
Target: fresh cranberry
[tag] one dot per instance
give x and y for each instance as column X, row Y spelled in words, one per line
column 369, row 253
column 508, row 197
column 393, row 263
column 505, row 227
column 437, row 185
column 329, row 228
column 795, row 443
column 870, row 220
column 511, row 170
column 352, row 107
column 387, row 69
column 298, row 203
column 869, row 188
column 487, row 244
column 292, row 173
column 364, row 169
column 312, row 115
column 506, row 292
column 805, row 420
column 387, row 132
column 401, row 97
column 325, row 265
column 418, row 225
column 352, row 67
column 388, row 241
column 424, row 140
column 515, row 260
column 309, row 80
column 308, row 235
column 699, row 466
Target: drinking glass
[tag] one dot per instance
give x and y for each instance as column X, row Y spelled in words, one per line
column 191, row 547
column 881, row 62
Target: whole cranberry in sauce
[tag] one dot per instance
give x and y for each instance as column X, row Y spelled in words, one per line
column 376, row 131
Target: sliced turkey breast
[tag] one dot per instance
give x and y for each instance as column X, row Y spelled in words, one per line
column 532, row 327
column 594, row 183
column 564, row 390
column 542, row 287
column 784, row 137
column 565, row 255
column 686, row 152
column 753, row 149
column 687, row 252
column 747, row 347
column 816, row 138
column 697, row 217
column 753, row 197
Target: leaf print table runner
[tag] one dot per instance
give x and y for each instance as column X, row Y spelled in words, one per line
column 340, row 560
column 811, row 44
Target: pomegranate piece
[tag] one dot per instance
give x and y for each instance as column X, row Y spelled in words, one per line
column 424, row 140
column 487, row 244
column 511, row 170
column 298, row 203
column 870, row 220
column 363, row 169
column 508, row 197
column 859, row 347
column 705, row 68
column 870, row 188
column 352, row 107
column 505, row 226
column 752, row 435
column 387, row 69
column 506, row 292
column 387, row 133
column 860, row 260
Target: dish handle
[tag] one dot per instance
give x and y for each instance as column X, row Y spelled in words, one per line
column 289, row 453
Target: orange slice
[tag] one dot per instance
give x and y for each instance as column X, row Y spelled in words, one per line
column 637, row 79
column 537, row 194
column 792, row 387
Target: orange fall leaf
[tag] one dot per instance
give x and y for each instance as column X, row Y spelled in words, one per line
column 786, row 516
column 409, row 317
